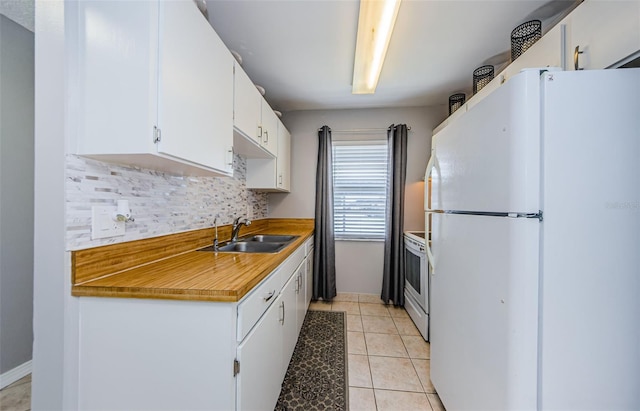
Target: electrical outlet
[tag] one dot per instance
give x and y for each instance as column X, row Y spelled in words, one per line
column 102, row 223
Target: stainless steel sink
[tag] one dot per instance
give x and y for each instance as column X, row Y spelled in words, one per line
column 253, row 247
column 271, row 238
column 263, row 243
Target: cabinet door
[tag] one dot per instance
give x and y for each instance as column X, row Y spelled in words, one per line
column 117, row 56
column 309, row 280
column 247, row 105
column 283, row 165
column 301, row 306
column 262, row 173
column 289, row 323
column 195, row 111
column 605, row 31
column 269, row 128
column 260, row 354
column 272, row 174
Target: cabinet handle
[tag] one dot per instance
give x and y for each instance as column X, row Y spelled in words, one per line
column 280, row 179
column 157, row 134
column 269, row 296
column 230, row 157
column 297, row 284
column 576, row 58
column 260, row 131
column 266, row 136
column 282, row 306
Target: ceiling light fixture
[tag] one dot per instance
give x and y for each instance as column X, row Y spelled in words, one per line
column 375, row 25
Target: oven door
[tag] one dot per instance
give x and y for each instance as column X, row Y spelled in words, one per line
column 415, row 271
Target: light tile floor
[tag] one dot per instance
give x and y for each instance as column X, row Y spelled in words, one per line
column 16, row 396
column 389, row 361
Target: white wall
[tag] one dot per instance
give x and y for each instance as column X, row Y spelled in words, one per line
column 54, row 310
column 358, row 264
column 16, row 195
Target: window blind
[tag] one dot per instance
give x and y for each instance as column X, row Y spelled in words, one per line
column 359, row 189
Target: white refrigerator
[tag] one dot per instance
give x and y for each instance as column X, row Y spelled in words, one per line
column 535, row 286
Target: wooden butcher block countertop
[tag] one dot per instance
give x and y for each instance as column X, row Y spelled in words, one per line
column 169, row 267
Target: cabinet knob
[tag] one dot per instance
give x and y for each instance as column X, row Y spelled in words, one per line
column 576, row 58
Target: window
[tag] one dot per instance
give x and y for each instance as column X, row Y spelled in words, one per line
column 359, row 189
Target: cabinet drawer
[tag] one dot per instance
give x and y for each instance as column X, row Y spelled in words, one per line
column 256, row 303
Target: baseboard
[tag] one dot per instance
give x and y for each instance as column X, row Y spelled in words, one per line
column 15, row 374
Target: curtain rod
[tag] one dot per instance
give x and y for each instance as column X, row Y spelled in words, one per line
column 362, row 130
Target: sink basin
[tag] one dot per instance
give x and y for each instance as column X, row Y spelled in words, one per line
column 260, row 243
column 253, row 247
column 249, row 247
column 271, row 238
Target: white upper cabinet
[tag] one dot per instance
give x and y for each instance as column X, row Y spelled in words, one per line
column 606, row 32
column 283, row 165
column 154, row 88
column 195, row 110
column 269, row 128
column 272, row 174
column 254, row 122
column 247, row 105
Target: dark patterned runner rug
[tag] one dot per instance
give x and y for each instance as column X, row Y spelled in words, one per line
column 317, row 375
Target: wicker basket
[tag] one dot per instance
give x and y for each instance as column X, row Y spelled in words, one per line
column 456, row 101
column 481, row 77
column 523, row 37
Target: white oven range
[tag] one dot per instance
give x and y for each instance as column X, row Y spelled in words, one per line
column 416, row 289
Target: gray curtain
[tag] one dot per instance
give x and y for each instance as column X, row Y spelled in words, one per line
column 324, row 253
column 393, row 271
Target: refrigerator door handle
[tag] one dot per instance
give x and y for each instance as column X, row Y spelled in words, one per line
column 427, row 247
column 537, row 215
column 427, row 173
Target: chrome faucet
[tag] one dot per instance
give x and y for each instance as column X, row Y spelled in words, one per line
column 215, row 239
column 236, row 228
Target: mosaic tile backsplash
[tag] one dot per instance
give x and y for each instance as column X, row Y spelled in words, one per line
column 160, row 203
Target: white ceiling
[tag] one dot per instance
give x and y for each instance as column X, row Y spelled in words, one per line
column 20, row 11
column 302, row 51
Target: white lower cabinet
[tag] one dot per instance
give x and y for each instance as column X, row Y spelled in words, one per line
column 308, row 284
column 289, row 321
column 301, row 305
column 142, row 354
column 260, row 356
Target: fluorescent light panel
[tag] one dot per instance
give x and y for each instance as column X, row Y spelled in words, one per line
column 375, row 25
